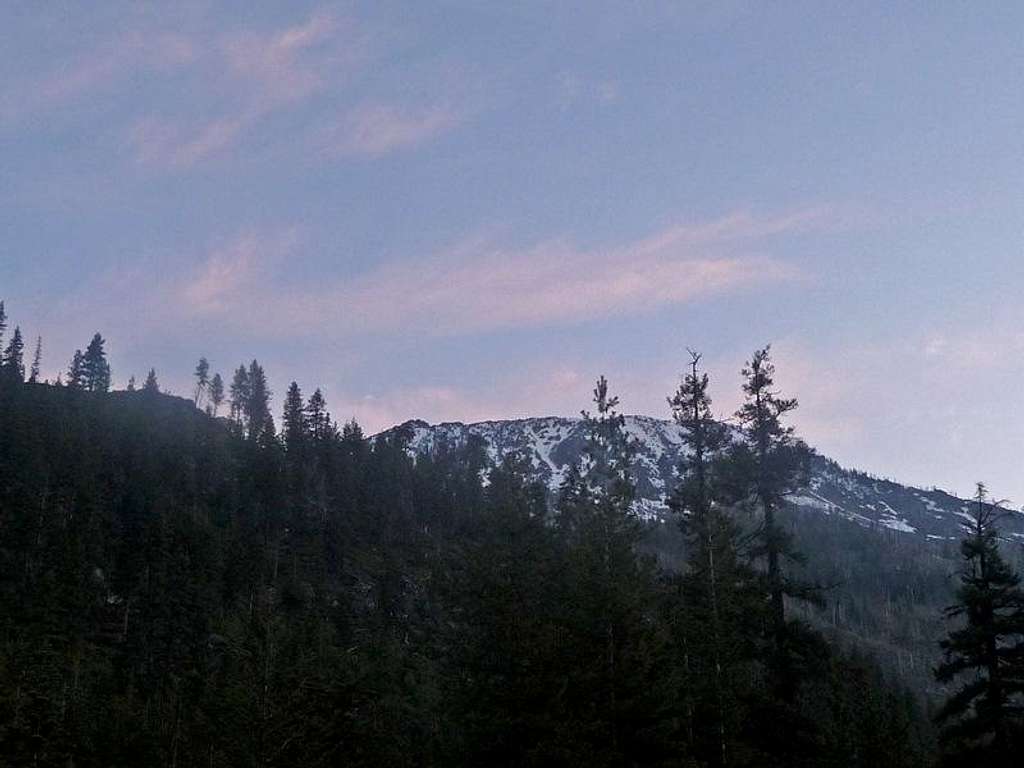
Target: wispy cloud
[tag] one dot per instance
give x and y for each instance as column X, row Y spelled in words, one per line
column 82, row 74
column 306, row 66
column 480, row 287
column 375, row 130
column 288, row 65
column 255, row 74
column 235, row 270
column 212, row 86
column 171, row 144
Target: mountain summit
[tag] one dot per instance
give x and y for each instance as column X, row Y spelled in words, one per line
column 554, row 443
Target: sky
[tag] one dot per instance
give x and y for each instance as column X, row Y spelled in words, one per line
column 459, row 210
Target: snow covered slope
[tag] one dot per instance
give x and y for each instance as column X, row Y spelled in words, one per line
column 554, row 443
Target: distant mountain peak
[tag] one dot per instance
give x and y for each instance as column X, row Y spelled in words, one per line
column 554, row 443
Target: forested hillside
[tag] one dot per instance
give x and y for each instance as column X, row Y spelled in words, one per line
column 886, row 554
column 183, row 589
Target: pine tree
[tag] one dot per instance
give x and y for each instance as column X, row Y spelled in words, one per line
column 352, row 433
column 294, row 428
column 607, row 459
column 202, row 375
column 768, row 464
column 319, row 420
column 150, row 385
column 95, row 369
column 609, row 586
column 216, row 394
column 776, row 463
column 12, row 365
column 3, row 322
column 716, row 586
column 984, row 715
column 131, row 384
column 76, row 371
column 37, row 360
column 261, row 423
column 240, row 393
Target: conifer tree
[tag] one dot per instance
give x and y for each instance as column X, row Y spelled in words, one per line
column 150, row 385
column 319, row 420
column 985, row 715
column 76, row 371
column 37, row 360
column 294, row 428
column 608, row 583
column 12, row 364
column 95, row 369
column 202, row 375
column 131, row 384
column 768, row 464
column 216, row 394
column 716, row 586
column 604, row 474
column 240, row 393
column 3, row 322
column 261, row 423
column 352, row 432
column 776, row 464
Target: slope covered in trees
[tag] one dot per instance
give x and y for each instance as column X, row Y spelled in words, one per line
column 180, row 589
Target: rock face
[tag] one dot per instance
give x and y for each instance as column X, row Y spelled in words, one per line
column 554, row 443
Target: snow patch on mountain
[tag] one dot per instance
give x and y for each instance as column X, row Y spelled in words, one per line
column 552, row 444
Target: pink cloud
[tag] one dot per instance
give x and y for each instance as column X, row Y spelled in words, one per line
column 281, row 67
column 480, row 287
column 97, row 71
column 168, row 144
column 232, row 272
column 232, row 81
column 254, row 75
column 553, row 282
column 375, row 130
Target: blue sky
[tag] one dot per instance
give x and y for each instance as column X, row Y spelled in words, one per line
column 465, row 210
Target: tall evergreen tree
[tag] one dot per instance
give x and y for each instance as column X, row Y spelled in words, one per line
column 985, row 715
column 240, row 393
column 609, row 589
column 768, row 464
column 294, row 428
column 3, row 322
column 775, row 464
column 151, row 385
column 352, row 433
column 319, row 420
column 216, row 394
column 260, row 422
column 95, row 369
column 37, row 361
column 12, row 364
column 202, row 376
column 131, row 384
column 717, row 612
column 76, row 371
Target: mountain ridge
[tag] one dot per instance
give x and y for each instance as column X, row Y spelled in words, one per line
column 553, row 443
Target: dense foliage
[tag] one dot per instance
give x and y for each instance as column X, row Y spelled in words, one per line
column 181, row 589
column 985, row 653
